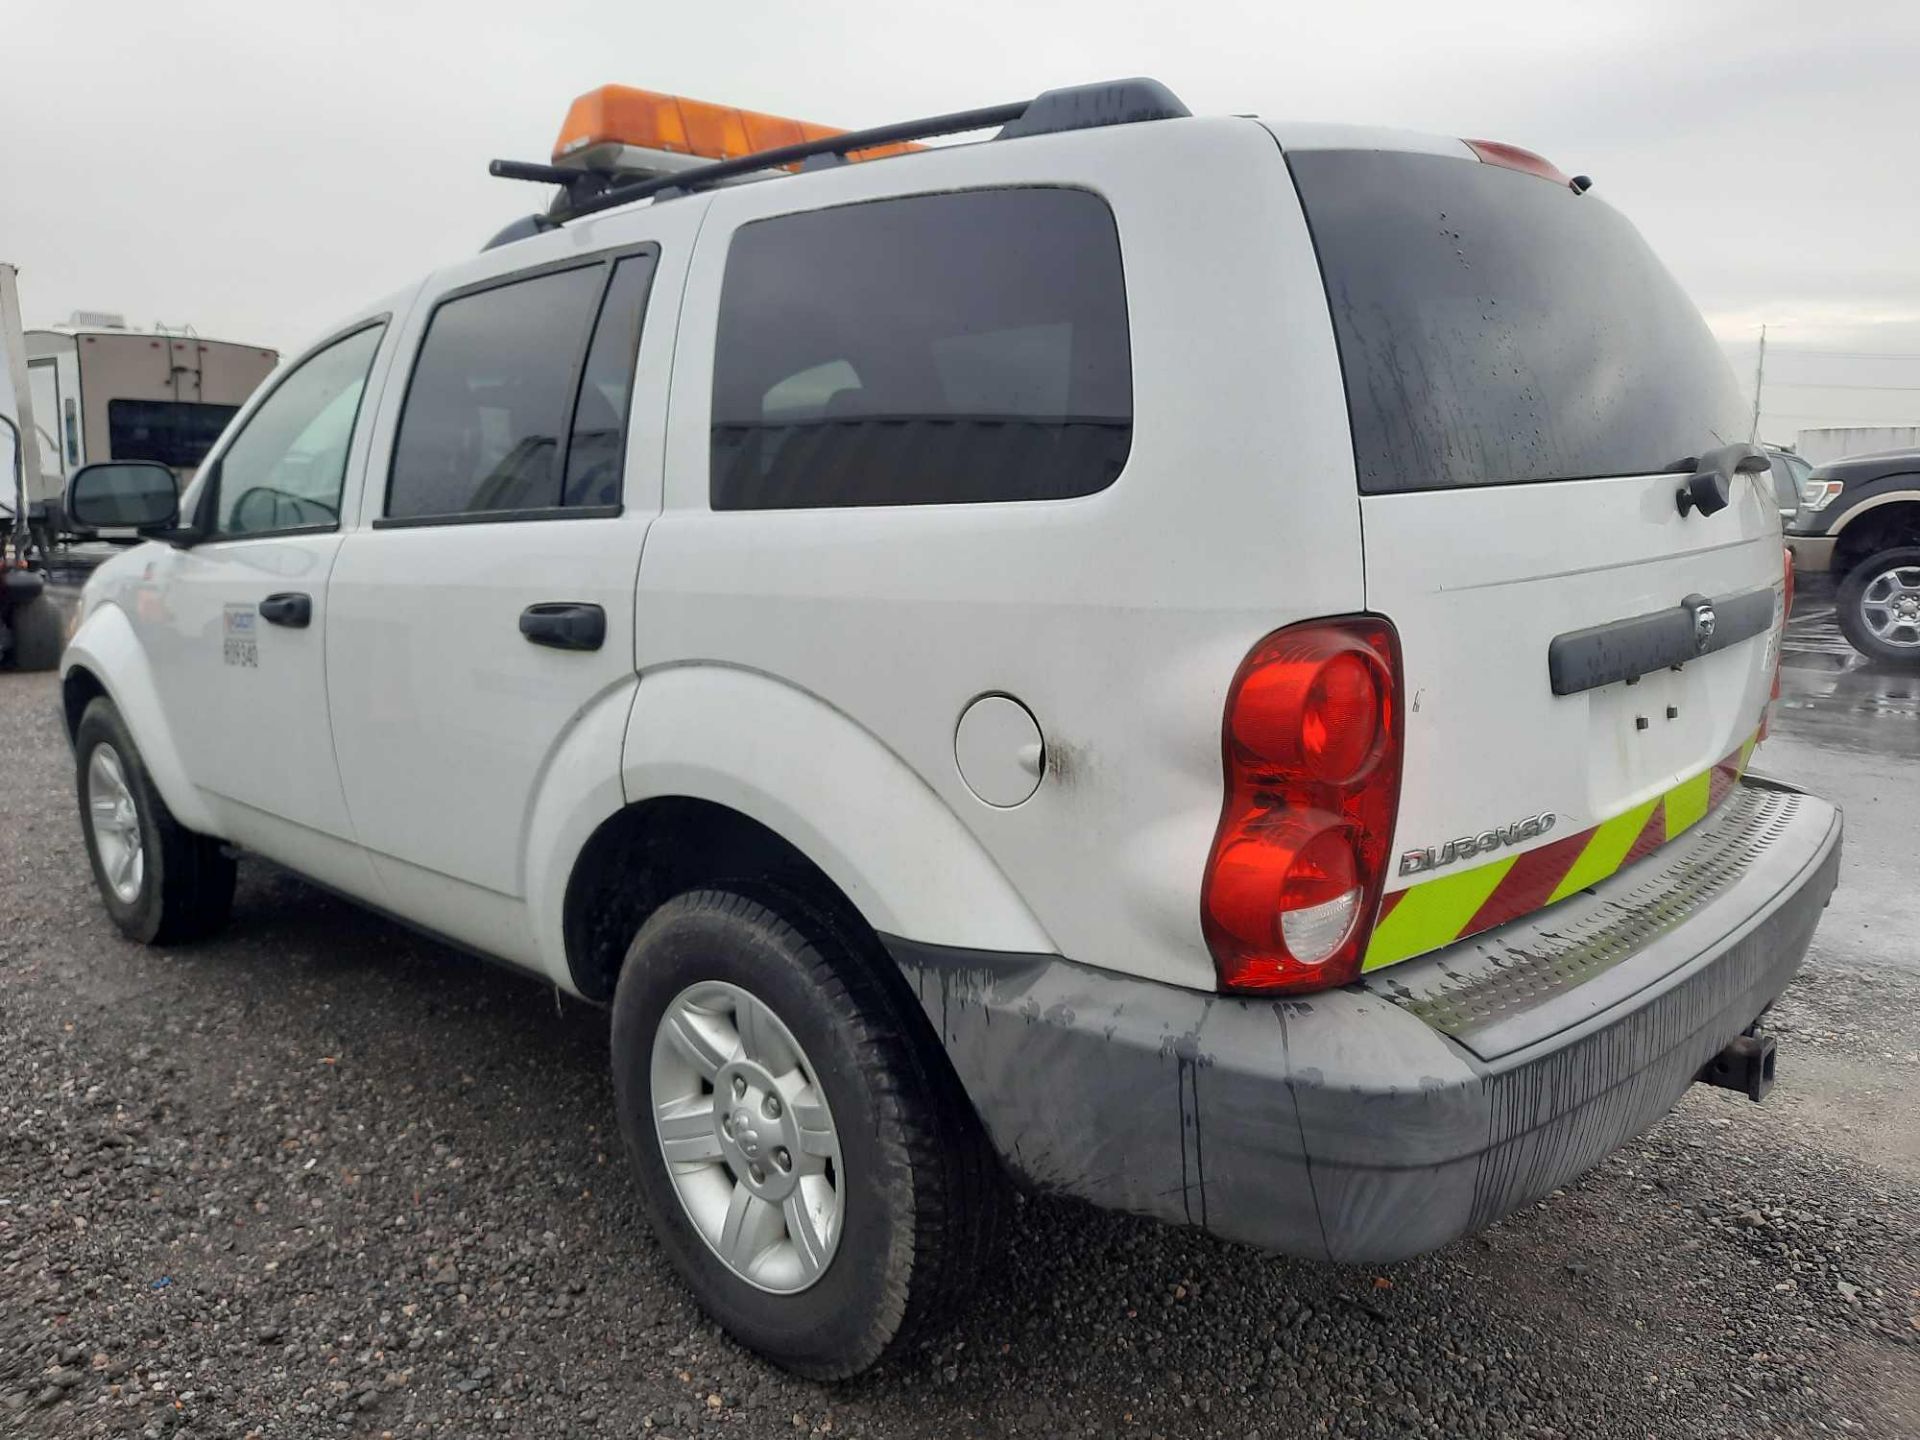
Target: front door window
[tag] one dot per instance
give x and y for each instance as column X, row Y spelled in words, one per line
column 284, row 471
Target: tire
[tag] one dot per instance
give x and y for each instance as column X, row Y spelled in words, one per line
column 1873, row 626
column 921, row 1196
column 38, row 635
column 180, row 886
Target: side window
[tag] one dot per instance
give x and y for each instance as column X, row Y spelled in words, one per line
column 1786, row 494
column 519, row 398
column 597, row 444
column 935, row 349
column 285, row 469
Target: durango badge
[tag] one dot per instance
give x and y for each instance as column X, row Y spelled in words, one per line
column 1416, row 862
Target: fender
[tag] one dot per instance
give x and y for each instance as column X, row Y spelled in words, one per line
column 106, row 647
column 834, row 791
column 579, row 789
column 1873, row 502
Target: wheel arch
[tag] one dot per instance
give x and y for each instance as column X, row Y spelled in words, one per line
column 646, row 853
column 105, row 658
column 731, row 774
column 1880, row 522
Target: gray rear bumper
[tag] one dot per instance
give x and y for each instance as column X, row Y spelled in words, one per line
column 1385, row 1119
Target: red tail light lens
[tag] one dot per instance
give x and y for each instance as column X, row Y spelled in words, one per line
column 1512, row 157
column 1312, row 757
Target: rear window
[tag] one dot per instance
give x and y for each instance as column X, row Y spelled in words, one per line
column 934, row 349
column 1495, row 328
column 174, row 432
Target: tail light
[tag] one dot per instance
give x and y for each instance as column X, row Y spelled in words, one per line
column 1779, row 646
column 1312, row 743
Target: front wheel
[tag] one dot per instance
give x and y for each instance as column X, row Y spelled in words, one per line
column 1879, row 606
column 160, row 881
column 823, row 1189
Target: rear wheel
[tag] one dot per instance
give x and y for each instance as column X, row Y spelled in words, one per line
column 822, row 1188
column 160, row 882
column 1879, row 606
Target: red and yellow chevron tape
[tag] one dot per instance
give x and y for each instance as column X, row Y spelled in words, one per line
column 1434, row 913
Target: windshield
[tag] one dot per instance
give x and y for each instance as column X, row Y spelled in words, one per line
column 1495, row 327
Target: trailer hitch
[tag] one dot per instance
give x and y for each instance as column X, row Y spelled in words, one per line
column 1745, row 1065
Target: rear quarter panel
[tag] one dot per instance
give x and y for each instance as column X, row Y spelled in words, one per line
column 1118, row 618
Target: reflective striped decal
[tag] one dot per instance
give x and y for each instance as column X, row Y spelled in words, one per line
column 1437, row 912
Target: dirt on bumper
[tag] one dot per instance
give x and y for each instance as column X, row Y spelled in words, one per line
column 1386, row 1119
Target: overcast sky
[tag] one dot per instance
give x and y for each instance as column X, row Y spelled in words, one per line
column 258, row 169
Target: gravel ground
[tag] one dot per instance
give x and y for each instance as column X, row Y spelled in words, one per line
column 325, row 1178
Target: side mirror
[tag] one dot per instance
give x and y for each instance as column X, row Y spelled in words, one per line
column 138, row 493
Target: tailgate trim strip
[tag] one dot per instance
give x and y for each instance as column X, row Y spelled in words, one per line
column 1627, row 649
column 1431, row 914
column 1523, row 986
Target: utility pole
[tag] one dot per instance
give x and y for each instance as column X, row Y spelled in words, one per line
column 1759, row 380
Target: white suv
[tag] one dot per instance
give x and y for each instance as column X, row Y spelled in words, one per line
column 1206, row 664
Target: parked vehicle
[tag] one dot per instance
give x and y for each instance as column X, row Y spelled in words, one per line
column 899, row 634
column 30, row 626
column 1860, row 519
column 1790, row 472
column 103, row 391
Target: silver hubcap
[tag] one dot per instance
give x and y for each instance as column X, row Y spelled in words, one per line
column 1891, row 606
column 115, row 819
column 747, row 1136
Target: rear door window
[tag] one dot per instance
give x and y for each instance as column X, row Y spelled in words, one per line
column 1495, row 327
column 597, row 443
column 519, row 398
column 933, row 349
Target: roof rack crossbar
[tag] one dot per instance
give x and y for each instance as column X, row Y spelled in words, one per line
column 685, row 181
column 531, row 171
column 1077, row 107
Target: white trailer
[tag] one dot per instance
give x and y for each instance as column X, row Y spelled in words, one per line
column 95, row 389
column 104, row 391
column 30, row 631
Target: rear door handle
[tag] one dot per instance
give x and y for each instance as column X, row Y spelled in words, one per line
column 564, row 625
column 288, row 608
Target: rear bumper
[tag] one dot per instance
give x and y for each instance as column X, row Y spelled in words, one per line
column 1387, row 1118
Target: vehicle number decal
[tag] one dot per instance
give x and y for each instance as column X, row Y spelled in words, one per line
column 240, row 645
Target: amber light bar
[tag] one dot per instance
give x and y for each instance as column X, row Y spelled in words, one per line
column 604, row 126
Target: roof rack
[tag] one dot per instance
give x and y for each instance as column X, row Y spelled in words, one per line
column 1077, row 107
